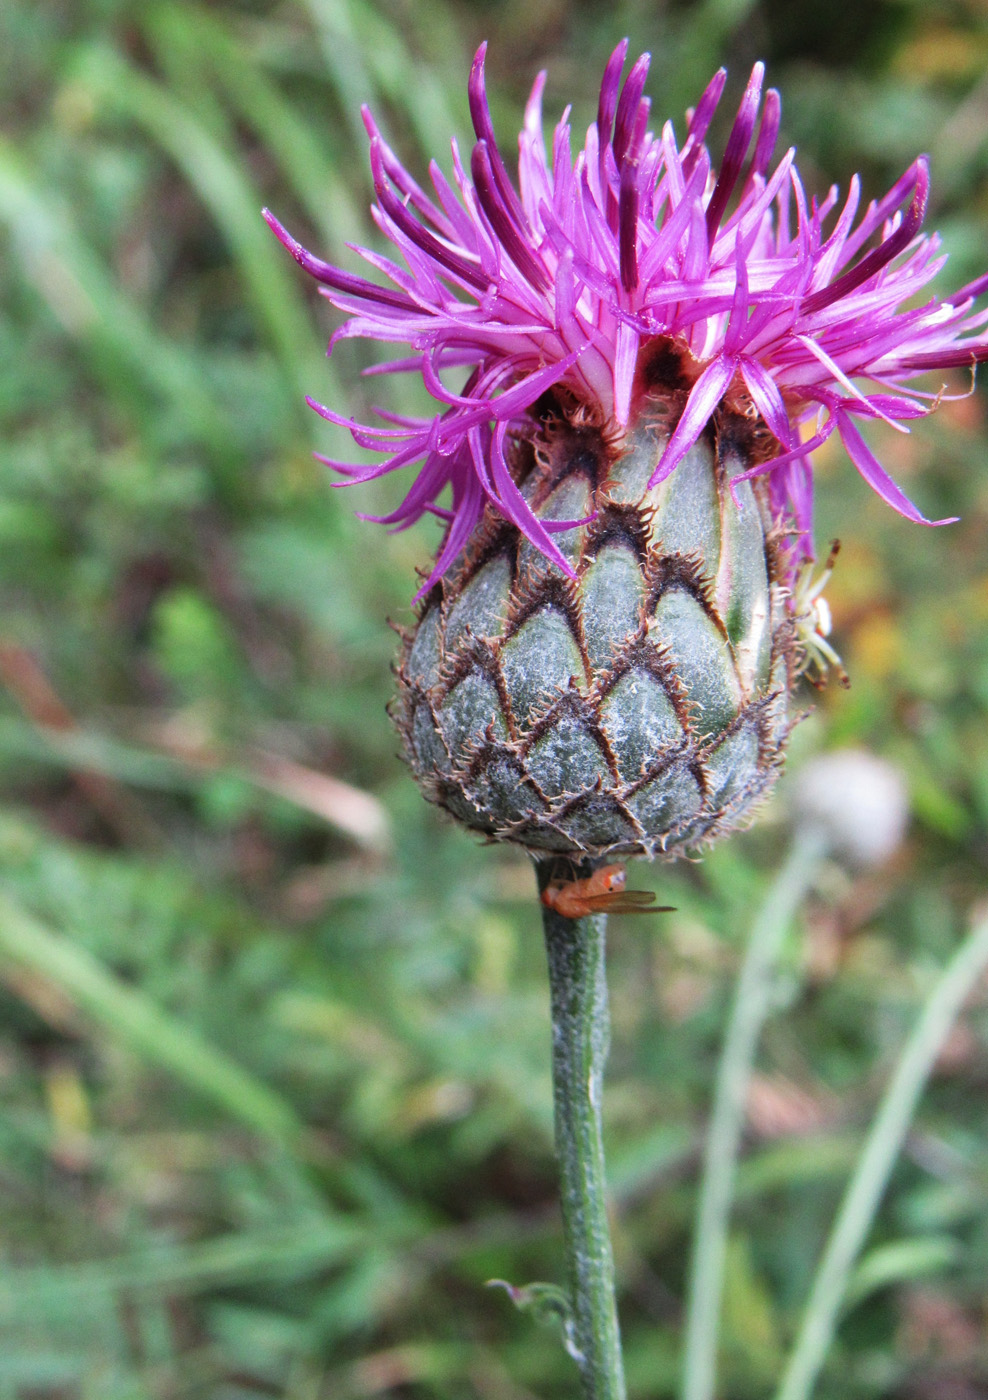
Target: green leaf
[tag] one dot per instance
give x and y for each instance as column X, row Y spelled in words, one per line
column 289, row 1252
column 548, row 1305
column 216, row 175
column 130, row 1016
column 901, row 1262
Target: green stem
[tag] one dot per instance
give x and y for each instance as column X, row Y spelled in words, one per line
column 752, row 1002
column 580, row 1038
column 882, row 1147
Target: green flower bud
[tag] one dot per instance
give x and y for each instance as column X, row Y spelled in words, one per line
column 641, row 707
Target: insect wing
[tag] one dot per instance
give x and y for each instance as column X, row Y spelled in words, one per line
column 627, row 902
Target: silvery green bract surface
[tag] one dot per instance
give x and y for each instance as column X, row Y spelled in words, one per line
column 637, row 707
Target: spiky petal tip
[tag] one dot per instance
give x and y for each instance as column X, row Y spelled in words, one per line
column 804, row 312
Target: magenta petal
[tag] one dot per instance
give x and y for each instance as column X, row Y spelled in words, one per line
column 333, row 276
column 625, row 359
column 627, row 110
column 512, row 239
column 557, row 527
column 705, row 108
column 469, row 508
column 795, row 454
column 766, row 397
column 882, row 255
column 445, row 258
column 563, row 275
column 484, row 127
column 565, row 302
column 768, row 134
column 399, row 176
column 704, row 397
column 517, row 509
column 737, row 146
column 876, row 476
column 950, row 357
column 628, row 226
column 524, row 394
column 609, row 88
column 737, row 324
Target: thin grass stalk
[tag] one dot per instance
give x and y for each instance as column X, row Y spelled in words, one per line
column 752, row 1003
column 878, row 1157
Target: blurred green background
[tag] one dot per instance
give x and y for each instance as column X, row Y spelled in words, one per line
column 274, row 1052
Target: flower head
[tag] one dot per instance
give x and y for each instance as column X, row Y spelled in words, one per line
column 802, row 313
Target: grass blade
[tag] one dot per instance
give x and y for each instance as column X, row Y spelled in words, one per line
column 751, row 1007
column 126, row 1013
column 881, row 1149
column 215, row 174
column 271, row 1254
column 89, row 304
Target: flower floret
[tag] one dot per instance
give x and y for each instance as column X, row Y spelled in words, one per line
column 562, row 279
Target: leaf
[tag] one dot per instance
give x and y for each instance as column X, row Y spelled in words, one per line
column 289, row 1252
column 900, row 1262
column 215, row 173
column 302, row 156
column 749, row 1317
column 548, row 1304
column 87, row 301
column 129, row 1015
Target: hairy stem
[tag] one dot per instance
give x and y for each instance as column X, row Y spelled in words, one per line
column 580, row 1036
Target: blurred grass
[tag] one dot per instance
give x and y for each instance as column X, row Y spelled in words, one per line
column 276, row 1092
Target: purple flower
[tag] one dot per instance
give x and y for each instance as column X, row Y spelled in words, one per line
column 804, row 311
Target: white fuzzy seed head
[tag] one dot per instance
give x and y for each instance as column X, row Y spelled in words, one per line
column 858, row 800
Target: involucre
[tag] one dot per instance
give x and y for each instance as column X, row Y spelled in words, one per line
column 641, row 705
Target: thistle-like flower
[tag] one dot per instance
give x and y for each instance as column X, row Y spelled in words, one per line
column 634, row 355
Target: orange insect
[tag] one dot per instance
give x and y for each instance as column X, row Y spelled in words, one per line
column 603, row 892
